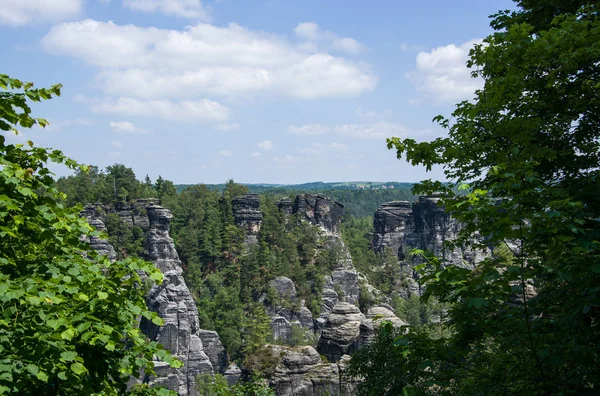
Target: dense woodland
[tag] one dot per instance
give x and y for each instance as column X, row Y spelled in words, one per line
column 226, row 280
column 522, row 164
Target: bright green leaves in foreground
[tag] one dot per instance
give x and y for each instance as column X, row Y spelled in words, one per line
column 526, row 320
column 68, row 318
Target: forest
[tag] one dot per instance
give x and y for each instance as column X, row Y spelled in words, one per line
column 522, row 183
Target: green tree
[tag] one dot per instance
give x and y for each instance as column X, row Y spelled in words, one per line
column 527, row 151
column 68, row 318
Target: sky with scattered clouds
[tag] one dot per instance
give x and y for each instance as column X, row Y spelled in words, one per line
column 261, row 91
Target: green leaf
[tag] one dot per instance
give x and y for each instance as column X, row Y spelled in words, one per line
column 68, row 334
column 68, row 356
column 78, row 368
column 42, row 376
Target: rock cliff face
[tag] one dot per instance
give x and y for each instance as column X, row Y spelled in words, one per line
column 402, row 226
column 100, row 245
column 341, row 333
column 288, row 311
column 300, row 372
column 247, row 214
column 173, row 302
column 319, row 210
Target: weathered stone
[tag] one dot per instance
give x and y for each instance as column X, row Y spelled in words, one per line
column 232, row 374
column 402, row 227
column 374, row 317
column 319, row 210
column 173, row 302
column 285, row 205
column 341, row 333
column 99, row 244
column 284, row 287
column 247, row 214
column 347, row 282
column 214, row 349
column 301, row 371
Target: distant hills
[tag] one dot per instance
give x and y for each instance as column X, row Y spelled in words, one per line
column 312, row 186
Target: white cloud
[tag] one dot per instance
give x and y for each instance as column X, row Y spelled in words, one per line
column 191, row 9
column 126, row 127
column 289, row 160
column 308, row 130
column 116, row 144
column 255, row 154
column 24, row 12
column 265, row 145
column 227, row 127
column 185, row 111
column 321, row 149
column 204, row 60
column 314, row 35
column 225, row 153
column 59, row 125
column 378, row 130
column 442, row 73
column 366, row 113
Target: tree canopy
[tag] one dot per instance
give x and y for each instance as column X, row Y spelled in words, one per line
column 68, row 318
column 527, row 151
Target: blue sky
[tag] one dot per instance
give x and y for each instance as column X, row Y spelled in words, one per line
column 269, row 91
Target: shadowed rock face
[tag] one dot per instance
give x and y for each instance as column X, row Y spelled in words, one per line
column 300, row 372
column 319, row 210
column 282, row 319
column 173, row 302
column 402, row 227
column 100, row 245
column 341, row 333
column 247, row 214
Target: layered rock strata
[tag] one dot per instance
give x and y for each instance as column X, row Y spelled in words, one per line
column 301, row 372
column 341, row 332
column 319, row 210
column 401, row 227
column 173, row 302
column 288, row 310
column 247, row 214
column 99, row 244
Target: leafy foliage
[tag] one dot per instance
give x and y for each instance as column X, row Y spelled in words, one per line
column 68, row 318
column 527, row 150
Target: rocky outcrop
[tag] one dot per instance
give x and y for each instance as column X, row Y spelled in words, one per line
column 374, row 318
column 232, row 374
column 132, row 213
column 319, row 210
column 247, row 214
column 341, row 332
column 214, row 349
column 173, row 302
column 99, row 244
column 288, row 310
column 301, row 372
column 401, row 227
column 285, row 205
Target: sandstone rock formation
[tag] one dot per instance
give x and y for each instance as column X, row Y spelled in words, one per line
column 319, row 210
column 370, row 326
column 288, row 311
column 247, row 214
column 214, row 350
column 341, row 332
column 402, row 226
column 173, row 302
column 301, row 372
column 100, row 245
